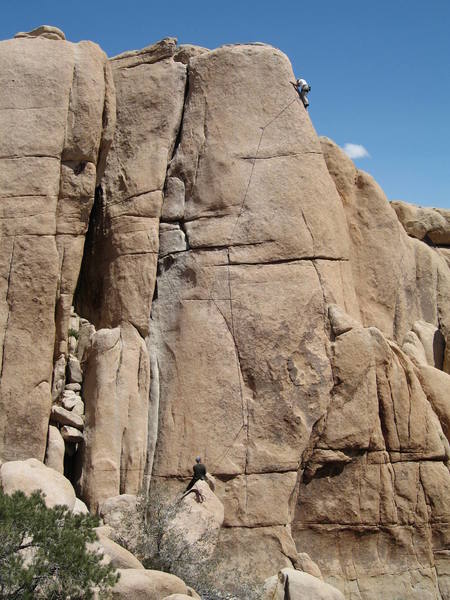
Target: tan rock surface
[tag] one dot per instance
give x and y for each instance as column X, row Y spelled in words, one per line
column 52, row 101
column 197, row 523
column 31, row 475
column 120, row 557
column 436, row 385
column 142, row 584
column 122, row 271
column 381, row 490
column 418, row 222
column 115, row 393
column 398, row 280
column 262, row 150
column 54, row 453
column 297, row 585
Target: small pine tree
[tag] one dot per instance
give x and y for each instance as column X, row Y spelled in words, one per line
column 44, row 552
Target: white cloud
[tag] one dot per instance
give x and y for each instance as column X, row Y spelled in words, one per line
column 355, row 151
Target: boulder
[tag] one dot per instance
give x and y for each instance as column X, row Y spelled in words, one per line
column 340, row 321
column 297, row 585
column 54, row 454
column 120, row 557
column 31, row 475
column 74, row 387
column 171, row 240
column 74, row 373
column 45, row 31
column 173, row 203
column 197, row 523
column 418, row 222
column 66, row 417
column 59, row 377
column 71, row 434
column 119, row 514
column 143, row 584
column 80, row 508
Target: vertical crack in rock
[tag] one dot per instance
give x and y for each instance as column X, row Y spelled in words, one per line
column 8, row 291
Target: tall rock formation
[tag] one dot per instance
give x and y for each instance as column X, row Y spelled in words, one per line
column 56, row 117
column 119, row 269
column 246, row 294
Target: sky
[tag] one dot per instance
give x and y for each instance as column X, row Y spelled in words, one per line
column 379, row 69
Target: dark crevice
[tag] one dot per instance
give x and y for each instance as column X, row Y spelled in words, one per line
column 180, row 128
column 88, row 294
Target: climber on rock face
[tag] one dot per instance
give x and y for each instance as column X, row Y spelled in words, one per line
column 303, row 88
column 199, row 473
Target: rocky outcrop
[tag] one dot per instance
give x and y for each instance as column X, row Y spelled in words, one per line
column 296, row 585
column 119, row 270
column 31, row 475
column 56, row 117
column 195, row 527
column 245, row 294
column 424, row 223
column 144, row 584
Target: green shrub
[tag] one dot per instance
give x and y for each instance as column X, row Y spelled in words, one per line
column 149, row 535
column 43, row 552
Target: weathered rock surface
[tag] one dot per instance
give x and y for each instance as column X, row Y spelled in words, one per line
column 31, row 475
column 421, row 223
column 120, row 557
column 399, row 280
column 197, row 524
column 142, row 584
column 120, row 259
column 115, row 388
column 56, row 116
column 297, row 585
column 54, row 454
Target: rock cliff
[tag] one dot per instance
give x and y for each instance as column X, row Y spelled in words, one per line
column 242, row 291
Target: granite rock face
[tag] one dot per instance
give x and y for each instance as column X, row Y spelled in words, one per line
column 243, row 293
column 56, row 118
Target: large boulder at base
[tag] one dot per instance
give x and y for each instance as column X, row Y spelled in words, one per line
column 115, row 509
column 297, row 585
column 140, row 584
column 198, row 522
column 31, row 475
column 178, row 597
column 120, row 557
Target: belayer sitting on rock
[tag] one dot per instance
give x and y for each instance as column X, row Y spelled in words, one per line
column 199, row 473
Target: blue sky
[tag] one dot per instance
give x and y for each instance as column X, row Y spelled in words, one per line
column 379, row 70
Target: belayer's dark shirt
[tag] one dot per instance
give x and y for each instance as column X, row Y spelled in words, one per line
column 199, row 471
